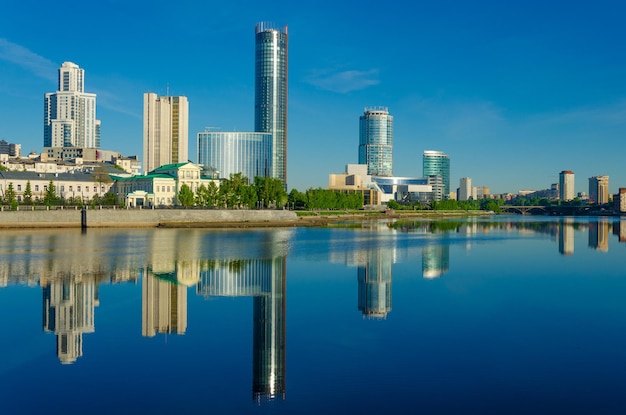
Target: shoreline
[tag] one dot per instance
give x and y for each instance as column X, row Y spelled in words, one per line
column 215, row 219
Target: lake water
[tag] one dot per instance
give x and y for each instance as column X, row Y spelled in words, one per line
column 499, row 315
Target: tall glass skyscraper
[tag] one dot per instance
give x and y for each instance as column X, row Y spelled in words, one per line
column 270, row 94
column 376, row 141
column 437, row 163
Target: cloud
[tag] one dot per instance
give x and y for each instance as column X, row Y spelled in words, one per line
column 344, row 81
column 23, row 57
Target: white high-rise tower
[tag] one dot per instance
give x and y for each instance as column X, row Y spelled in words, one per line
column 70, row 113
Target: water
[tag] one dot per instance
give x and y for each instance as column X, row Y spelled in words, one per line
column 491, row 315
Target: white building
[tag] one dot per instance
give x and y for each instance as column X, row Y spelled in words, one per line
column 74, row 185
column 160, row 186
column 165, row 130
column 566, row 185
column 465, row 188
column 70, row 113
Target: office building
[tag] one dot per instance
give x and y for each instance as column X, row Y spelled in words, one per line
column 438, row 163
column 376, row 141
column 465, row 189
column 70, row 112
column 599, row 189
column 165, row 130
column 566, row 185
column 225, row 153
column 270, row 92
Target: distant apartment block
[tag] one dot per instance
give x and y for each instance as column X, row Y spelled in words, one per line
column 566, row 185
column 70, row 112
column 165, row 130
column 599, row 189
column 620, row 200
column 10, row 149
column 465, row 188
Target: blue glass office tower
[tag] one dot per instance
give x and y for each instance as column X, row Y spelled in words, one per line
column 270, row 93
column 376, row 141
column 226, row 153
column 437, row 163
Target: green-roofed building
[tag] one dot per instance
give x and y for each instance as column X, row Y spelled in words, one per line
column 160, row 186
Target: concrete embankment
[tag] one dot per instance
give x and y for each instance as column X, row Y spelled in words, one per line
column 127, row 218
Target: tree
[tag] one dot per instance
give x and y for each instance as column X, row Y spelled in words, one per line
column 28, row 194
column 50, row 196
column 297, row 199
column 185, row 196
column 9, row 195
column 270, row 191
column 101, row 176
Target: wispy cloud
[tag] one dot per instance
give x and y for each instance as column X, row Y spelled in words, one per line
column 344, row 81
column 21, row 56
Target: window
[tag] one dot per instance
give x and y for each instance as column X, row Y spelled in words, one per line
column 19, row 187
column 62, row 188
column 36, row 188
column 78, row 189
column 71, row 188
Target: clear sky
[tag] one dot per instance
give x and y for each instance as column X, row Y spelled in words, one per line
column 513, row 91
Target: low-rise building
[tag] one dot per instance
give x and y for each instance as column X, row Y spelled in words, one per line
column 160, row 186
column 74, row 185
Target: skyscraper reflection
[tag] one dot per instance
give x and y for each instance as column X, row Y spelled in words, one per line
column 163, row 306
column 435, row 260
column 68, row 312
column 375, row 284
column 265, row 281
column 599, row 235
column 566, row 236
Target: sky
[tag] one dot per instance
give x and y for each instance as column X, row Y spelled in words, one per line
column 514, row 92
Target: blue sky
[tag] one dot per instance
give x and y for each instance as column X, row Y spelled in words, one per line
column 513, row 91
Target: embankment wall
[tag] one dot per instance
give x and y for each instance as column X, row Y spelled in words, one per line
column 109, row 218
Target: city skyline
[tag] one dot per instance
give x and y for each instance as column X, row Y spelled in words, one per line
column 513, row 93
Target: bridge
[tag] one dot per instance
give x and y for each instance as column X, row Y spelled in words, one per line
column 548, row 210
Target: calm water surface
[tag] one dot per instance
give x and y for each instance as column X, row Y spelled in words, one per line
column 506, row 315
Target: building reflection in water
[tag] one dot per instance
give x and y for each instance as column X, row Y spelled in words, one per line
column 435, row 260
column 163, row 306
column 265, row 281
column 599, row 234
column 68, row 312
column 375, row 284
column 619, row 230
column 566, row 236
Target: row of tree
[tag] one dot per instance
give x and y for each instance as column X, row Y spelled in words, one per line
column 480, row 204
column 324, row 199
column 236, row 192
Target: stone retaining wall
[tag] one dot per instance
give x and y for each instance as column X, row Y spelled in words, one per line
column 109, row 218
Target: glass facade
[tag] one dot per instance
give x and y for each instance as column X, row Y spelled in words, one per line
column 376, row 141
column 270, row 95
column 226, row 153
column 437, row 163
